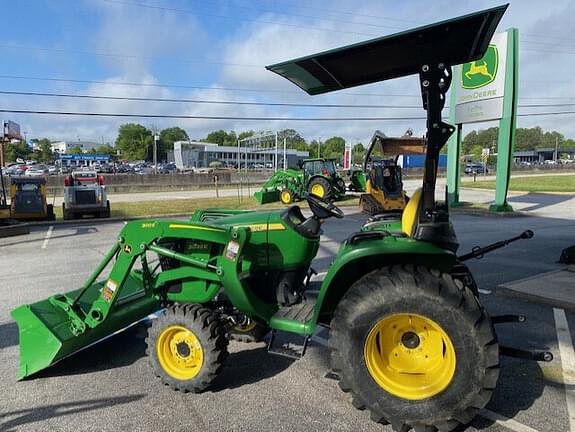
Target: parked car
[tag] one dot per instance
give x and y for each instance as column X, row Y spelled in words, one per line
column 167, row 168
column 37, row 171
column 476, row 168
column 52, row 170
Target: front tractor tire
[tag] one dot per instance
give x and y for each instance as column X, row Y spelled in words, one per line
column 287, row 196
column 187, row 346
column 415, row 348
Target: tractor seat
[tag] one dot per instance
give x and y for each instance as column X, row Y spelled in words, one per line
column 410, row 214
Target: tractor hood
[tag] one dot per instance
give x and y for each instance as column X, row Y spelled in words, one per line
column 455, row 41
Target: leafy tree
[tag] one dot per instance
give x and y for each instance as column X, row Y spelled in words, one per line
column 358, row 153
column 246, row 134
column 44, row 153
column 134, row 141
column 106, row 150
column 74, row 150
column 17, row 150
column 221, row 137
column 167, row 139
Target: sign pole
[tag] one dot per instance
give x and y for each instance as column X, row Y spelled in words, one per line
column 453, row 151
column 507, row 125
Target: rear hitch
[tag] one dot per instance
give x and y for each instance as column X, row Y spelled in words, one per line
column 478, row 252
column 544, row 356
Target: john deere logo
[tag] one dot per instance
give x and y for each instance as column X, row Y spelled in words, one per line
column 481, row 72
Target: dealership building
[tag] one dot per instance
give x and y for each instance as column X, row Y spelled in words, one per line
column 195, row 154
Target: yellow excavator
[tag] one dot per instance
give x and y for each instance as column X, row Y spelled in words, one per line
column 384, row 182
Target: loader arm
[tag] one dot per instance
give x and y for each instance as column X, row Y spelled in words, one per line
column 55, row 328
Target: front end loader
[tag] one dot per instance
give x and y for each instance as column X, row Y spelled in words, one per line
column 409, row 338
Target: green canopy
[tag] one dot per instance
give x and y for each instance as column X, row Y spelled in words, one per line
column 455, row 41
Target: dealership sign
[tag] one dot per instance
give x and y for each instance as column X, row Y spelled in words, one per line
column 11, row 130
column 480, row 84
column 84, row 157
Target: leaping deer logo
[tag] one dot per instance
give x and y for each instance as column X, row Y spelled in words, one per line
column 475, row 69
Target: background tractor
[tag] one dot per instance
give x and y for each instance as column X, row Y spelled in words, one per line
column 408, row 338
column 85, row 194
column 384, row 182
column 28, row 200
column 317, row 176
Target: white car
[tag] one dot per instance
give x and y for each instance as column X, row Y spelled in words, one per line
column 37, row 171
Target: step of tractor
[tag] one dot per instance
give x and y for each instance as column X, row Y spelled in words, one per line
column 293, row 318
column 288, row 344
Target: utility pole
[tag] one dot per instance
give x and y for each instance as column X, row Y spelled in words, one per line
column 556, row 148
column 155, row 153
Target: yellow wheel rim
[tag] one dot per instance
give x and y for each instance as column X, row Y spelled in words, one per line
column 286, row 197
column 246, row 328
column 410, row 356
column 179, row 352
column 318, row 190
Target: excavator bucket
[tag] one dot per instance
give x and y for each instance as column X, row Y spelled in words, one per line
column 48, row 329
column 265, row 196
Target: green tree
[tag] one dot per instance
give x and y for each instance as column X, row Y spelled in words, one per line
column 167, row 139
column 106, row 149
column 45, row 152
column 134, row 141
column 358, row 153
column 333, row 148
column 74, row 150
column 15, row 151
column 221, row 137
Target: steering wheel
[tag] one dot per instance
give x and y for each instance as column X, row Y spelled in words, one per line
column 323, row 209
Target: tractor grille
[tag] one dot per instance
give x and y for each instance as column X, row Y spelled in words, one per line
column 85, row 197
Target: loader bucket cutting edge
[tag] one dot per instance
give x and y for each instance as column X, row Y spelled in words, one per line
column 266, row 197
column 46, row 337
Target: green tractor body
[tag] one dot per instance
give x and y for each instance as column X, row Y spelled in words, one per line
column 408, row 336
column 317, row 176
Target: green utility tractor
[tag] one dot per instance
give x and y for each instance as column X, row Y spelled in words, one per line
column 409, row 338
column 317, row 176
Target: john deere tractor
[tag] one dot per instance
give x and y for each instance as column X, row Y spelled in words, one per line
column 409, row 338
column 317, row 176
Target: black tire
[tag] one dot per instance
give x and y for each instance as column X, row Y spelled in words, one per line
column 50, row 212
column 435, row 296
column 325, row 185
column 287, row 196
column 108, row 211
column 203, row 323
column 251, row 331
column 65, row 213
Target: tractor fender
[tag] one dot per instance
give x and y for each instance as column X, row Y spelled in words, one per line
column 354, row 261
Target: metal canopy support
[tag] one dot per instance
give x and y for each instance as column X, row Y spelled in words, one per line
column 454, row 154
column 435, row 80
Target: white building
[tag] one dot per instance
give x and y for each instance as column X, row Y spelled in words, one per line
column 65, row 146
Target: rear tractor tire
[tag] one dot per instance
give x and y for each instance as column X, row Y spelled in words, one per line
column 415, row 348
column 187, row 346
column 250, row 331
column 320, row 187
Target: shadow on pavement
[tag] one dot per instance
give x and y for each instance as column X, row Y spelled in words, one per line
column 79, row 231
column 38, row 414
column 120, row 350
column 249, row 366
column 8, row 334
column 539, row 200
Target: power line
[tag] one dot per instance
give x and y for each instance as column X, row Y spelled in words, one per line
column 246, row 103
column 126, row 56
column 183, row 86
column 236, row 19
column 202, row 101
column 197, row 117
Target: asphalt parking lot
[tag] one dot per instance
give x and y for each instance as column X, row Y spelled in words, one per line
column 110, row 387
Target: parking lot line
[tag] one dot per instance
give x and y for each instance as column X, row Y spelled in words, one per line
column 567, row 362
column 48, row 235
column 506, row 422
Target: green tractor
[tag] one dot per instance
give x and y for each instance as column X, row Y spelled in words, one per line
column 409, row 338
column 317, row 176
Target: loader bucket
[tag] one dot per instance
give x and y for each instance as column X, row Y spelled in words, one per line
column 267, row 196
column 45, row 330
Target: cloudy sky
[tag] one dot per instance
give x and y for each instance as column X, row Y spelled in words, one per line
column 216, row 50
